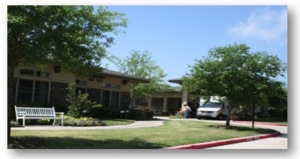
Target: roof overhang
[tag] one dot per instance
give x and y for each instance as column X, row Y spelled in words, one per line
column 177, row 80
column 126, row 78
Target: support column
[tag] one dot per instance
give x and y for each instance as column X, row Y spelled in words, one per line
column 185, row 95
column 165, row 110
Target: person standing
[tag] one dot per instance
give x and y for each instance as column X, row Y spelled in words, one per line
column 187, row 110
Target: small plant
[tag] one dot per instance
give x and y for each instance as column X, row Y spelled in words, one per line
column 82, row 121
column 79, row 103
column 178, row 115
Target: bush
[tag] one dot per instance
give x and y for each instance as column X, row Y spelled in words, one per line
column 82, row 121
column 15, row 124
column 78, row 102
column 101, row 112
column 33, row 122
column 140, row 114
column 115, row 113
column 240, row 114
column 178, row 115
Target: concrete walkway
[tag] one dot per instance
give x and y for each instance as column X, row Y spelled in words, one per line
column 136, row 124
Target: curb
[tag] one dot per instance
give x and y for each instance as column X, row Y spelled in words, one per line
column 259, row 123
column 222, row 142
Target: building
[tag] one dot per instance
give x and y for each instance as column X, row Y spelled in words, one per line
column 48, row 86
column 169, row 102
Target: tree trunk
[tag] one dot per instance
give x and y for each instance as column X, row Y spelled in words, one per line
column 10, row 91
column 253, row 115
column 228, row 115
column 12, row 53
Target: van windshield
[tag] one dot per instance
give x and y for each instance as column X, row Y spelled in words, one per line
column 212, row 105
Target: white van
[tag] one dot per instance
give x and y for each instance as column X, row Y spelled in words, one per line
column 215, row 107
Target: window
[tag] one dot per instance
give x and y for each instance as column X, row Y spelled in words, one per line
column 115, row 86
column 111, row 85
column 42, row 74
column 106, row 85
column 41, row 92
column 25, row 91
column 115, row 99
column 106, row 98
column 157, row 102
column 32, row 91
column 81, row 82
column 26, row 72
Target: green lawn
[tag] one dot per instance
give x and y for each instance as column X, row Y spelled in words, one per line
column 170, row 134
column 110, row 122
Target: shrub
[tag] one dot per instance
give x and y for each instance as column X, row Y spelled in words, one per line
column 115, row 113
column 140, row 114
column 78, row 102
column 33, row 122
column 15, row 124
column 178, row 115
column 82, row 121
column 240, row 114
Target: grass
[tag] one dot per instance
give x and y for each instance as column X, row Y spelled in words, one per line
column 170, row 134
column 110, row 122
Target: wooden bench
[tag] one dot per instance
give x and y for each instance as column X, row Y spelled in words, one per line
column 38, row 113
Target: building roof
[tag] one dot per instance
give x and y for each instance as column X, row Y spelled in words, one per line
column 111, row 73
column 176, row 80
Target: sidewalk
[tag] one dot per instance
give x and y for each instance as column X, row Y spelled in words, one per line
column 223, row 142
column 136, row 124
column 259, row 123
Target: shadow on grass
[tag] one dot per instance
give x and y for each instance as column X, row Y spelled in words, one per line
column 240, row 128
column 30, row 142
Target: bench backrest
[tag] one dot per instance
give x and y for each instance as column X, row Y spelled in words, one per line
column 31, row 111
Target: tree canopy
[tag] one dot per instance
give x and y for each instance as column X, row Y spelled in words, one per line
column 141, row 64
column 232, row 71
column 75, row 37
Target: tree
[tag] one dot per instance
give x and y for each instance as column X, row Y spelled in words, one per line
column 79, row 102
column 140, row 64
column 232, row 71
column 75, row 37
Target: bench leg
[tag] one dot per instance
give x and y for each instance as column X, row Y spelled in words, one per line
column 62, row 122
column 23, row 121
column 53, row 122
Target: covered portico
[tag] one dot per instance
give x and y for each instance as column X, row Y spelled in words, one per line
column 168, row 103
column 185, row 92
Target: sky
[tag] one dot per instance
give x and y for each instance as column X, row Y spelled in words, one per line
column 177, row 35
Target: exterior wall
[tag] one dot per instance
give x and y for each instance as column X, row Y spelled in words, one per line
column 165, row 104
column 58, row 82
column 173, row 105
